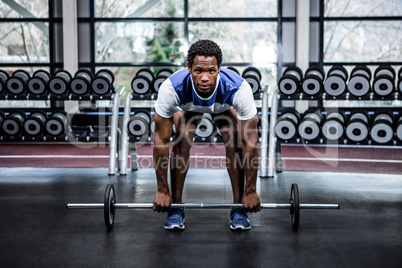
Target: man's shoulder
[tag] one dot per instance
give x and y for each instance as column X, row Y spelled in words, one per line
column 229, row 77
column 179, row 78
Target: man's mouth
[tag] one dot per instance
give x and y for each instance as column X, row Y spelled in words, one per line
column 204, row 87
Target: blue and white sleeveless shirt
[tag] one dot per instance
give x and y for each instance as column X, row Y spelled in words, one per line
column 231, row 91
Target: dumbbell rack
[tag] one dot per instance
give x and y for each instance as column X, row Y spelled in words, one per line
column 274, row 151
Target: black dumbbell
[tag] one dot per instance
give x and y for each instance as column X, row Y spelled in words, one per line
column 333, row 126
column 382, row 130
column 310, row 127
column 13, row 123
column 139, row 125
column 34, row 125
column 253, row 76
column 335, row 84
column 17, row 83
column 58, row 84
column 290, row 82
column 312, row 83
column 103, row 82
column 384, row 81
column 81, row 83
column 142, row 82
column 39, row 82
column 287, row 124
column 359, row 82
column 357, row 129
column 161, row 76
column 56, row 124
column 3, row 81
column 400, row 81
column 205, row 128
column 398, row 127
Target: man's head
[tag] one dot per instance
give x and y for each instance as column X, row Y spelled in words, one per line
column 204, row 60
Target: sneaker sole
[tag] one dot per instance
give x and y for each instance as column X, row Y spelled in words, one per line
column 240, row 228
column 174, row 227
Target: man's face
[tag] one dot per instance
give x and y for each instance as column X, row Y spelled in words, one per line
column 205, row 73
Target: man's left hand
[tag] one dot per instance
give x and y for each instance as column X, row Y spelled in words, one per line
column 251, row 202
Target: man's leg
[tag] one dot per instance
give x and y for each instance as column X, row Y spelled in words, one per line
column 227, row 124
column 186, row 124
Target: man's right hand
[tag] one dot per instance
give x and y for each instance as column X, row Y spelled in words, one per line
column 162, row 202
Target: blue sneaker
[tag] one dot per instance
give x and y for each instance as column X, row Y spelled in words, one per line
column 239, row 220
column 175, row 219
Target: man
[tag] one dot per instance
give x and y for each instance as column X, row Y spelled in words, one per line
column 205, row 87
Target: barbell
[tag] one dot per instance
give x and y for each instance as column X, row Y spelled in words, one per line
column 110, row 205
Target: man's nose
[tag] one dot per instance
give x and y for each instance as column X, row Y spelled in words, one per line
column 204, row 76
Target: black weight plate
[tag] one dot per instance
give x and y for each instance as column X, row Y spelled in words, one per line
column 109, row 209
column 312, row 85
column 285, row 129
column 15, row 85
column 253, row 82
column 107, row 74
column 317, row 71
column 398, row 130
column 309, row 129
column 288, row 85
column 295, row 72
column 386, row 70
column 101, row 85
column 294, row 206
column 253, row 72
column 138, row 127
column 141, row 84
column 164, row 72
column 361, row 70
column 332, row 129
column 338, row 70
column 356, row 130
column 36, row 85
column 79, row 85
column 383, row 85
column 58, row 85
column 359, row 85
column 3, row 76
column 147, row 73
column 335, row 85
column 381, row 132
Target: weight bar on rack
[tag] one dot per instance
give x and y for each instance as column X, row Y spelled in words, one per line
column 81, row 82
column 381, row 131
column 384, row 79
column 253, row 76
column 39, row 82
column 58, row 84
column 12, row 124
column 17, row 83
column 335, row 84
column 290, row 82
column 110, row 206
column 103, row 82
column 312, row 83
column 357, row 129
column 359, row 82
column 34, row 125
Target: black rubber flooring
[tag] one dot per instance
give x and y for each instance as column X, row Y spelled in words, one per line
column 38, row 231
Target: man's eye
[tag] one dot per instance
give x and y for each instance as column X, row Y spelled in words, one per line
column 211, row 71
column 198, row 71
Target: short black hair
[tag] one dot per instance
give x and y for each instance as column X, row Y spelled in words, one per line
column 206, row 48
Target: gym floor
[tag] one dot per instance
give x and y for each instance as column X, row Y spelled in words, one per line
column 38, row 231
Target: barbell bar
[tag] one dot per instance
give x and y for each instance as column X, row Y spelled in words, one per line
column 110, row 205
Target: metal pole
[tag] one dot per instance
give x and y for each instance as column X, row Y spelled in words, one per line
column 264, row 134
column 113, row 134
column 272, row 138
column 124, row 137
column 199, row 206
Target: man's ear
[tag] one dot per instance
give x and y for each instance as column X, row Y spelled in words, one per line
column 219, row 68
column 189, row 67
